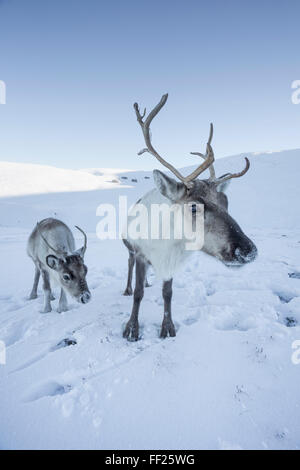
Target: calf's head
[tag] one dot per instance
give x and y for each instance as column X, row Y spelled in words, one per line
column 72, row 272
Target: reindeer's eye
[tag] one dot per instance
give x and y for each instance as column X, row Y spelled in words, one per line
column 193, row 207
column 66, row 277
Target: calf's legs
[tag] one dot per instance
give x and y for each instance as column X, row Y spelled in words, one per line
column 33, row 294
column 63, row 304
column 47, row 292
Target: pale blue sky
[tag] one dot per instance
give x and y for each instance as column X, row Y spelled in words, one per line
column 73, row 70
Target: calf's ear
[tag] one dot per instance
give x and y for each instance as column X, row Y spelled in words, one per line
column 53, row 262
column 168, row 187
column 80, row 252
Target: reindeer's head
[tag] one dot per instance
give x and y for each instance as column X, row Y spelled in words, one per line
column 72, row 275
column 71, row 270
column 223, row 238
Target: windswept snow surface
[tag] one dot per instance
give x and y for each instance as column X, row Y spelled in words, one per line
column 227, row 381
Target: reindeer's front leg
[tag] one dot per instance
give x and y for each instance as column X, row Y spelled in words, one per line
column 131, row 331
column 167, row 327
column 63, row 303
column 47, row 292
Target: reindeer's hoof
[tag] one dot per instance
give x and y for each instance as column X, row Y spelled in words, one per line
column 131, row 332
column 52, row 296
column 147, row 284
column 167, row 329
column 46, row 310
column 32, row 297
column 62, row 309
column 128, row 291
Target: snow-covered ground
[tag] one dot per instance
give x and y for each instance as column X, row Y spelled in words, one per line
column 227, row 381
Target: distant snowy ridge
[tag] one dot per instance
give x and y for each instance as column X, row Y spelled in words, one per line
column 20, row 179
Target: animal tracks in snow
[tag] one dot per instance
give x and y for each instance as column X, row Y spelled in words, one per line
column 64, row 343
column 61, row 344
column 48, row 389
column 14, row 332
column 295, row 275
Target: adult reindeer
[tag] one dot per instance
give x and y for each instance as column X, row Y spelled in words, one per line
column 223, row 238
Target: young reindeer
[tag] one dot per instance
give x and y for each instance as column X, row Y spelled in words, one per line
column 223, row 238
column 51, row 247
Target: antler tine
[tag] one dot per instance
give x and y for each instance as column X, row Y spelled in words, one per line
column 156, row 110
column 85, row 238
column 211, row 167
column 211, row 133
column 212, row 171
column 139, row 116
column 229, row 176
column 208, row 158
column 58, row 252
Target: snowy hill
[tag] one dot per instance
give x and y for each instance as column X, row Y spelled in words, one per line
column 226, row 381
column 20, row 179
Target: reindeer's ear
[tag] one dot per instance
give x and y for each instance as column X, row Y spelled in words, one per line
column 222, row 187
column 168, row 187
column 53, row 262
column 80, row 252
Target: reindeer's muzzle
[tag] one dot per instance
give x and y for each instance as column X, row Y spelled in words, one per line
column 85, row 297
column 246, row 255
column 241, row 252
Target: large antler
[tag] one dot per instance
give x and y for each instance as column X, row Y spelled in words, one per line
column 145, row 125
column 85, row 240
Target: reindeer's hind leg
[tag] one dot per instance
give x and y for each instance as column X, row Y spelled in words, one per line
column 146, row 279
column 131, row 261
column 33, row 294
column 167, row 327
column 131, row 331
column 47, row 292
